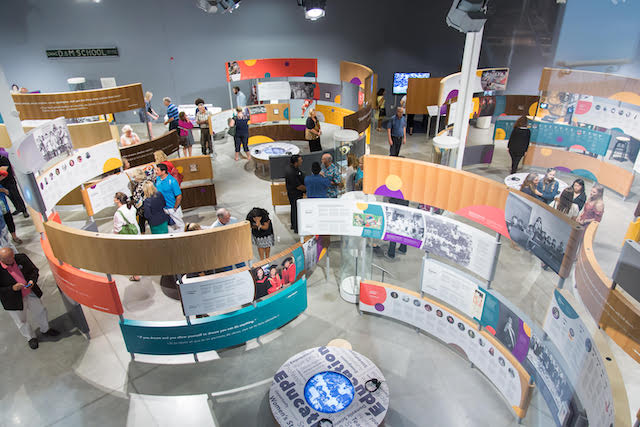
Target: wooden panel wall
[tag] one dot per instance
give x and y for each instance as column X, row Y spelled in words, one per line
column 82, row 134
column 157, row 254
column 279, row 196
column 141, row 154
column 420, row 94
column 194, row 168
column 279, row 132
column 360, row 120
column 352, row 70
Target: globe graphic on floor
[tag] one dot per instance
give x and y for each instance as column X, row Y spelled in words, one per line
column 329, row 392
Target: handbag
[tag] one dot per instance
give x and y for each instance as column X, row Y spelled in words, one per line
column 128, row 228
column 383, row 112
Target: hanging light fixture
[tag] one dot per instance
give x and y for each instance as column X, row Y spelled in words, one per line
column 313, row 9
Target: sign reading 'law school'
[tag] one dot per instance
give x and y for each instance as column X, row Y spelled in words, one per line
column 82, row 53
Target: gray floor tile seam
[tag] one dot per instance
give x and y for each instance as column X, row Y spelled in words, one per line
column 75, row 411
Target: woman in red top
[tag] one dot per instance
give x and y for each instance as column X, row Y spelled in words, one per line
column 160, row 157
column 274, row 280
column 288, row 271
column 186, row 140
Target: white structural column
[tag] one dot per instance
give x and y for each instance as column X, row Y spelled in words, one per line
column 472, row 46
column 8, row 110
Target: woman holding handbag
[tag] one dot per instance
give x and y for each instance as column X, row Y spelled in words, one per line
column 124, row 220
column 186, row 137
column 312, row 132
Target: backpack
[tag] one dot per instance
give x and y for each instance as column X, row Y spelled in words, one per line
column 128, row 228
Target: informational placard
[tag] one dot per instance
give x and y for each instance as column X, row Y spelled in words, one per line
column 218, row 123
column 191, row 109
column 80, row 103
column 452, row 287
column 216, row 332
column 329, row 92
column 141, row 154
column 268, row 91
column 463, row 244
column 328, row 383
column 449, row 327
column 360, row 120
column 214, row 293
column 76, row 169
column 505, row 325
column 608, row 114
column 541, row 231
column 585, row 364
column 559, row 135
column 304, row 90
column 101, row 194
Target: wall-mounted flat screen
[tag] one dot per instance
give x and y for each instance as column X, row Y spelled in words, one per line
column 401, row 81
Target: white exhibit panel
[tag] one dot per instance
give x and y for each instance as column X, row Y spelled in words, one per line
column 102, row 193
column 608, row 114
column 583, row 360
column 190, row 111
column 76, row 169
column 214, row 293
column 452, row 287
column 42, row 144
column 463, row 244
column 328, row 383
column 268, row 91
column 220, row 121
column 448, row 327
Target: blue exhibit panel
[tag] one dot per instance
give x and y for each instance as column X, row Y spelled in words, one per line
column 213, row 333
column 562, row 135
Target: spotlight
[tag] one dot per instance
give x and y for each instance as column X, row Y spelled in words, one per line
column 313, row 9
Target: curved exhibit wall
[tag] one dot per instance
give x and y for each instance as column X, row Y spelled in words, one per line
column 482, row 349
column 609, row 307
column 151, row 255
column 620, row 88
column 487, row 79
column 607, row 174
column 82, row 134
column 270, row 67
column 141, row 154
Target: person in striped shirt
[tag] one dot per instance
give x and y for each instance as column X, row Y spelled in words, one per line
column 172, row 114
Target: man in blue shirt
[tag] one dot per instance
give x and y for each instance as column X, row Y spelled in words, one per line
column 397, row 132
column 172, row 114
column 316, row 184
column 170, row 190
column 241, row 98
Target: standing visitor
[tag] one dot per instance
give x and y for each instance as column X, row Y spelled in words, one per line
column 137, row 196
column 170, row 190
column 380, row 112
column 149, row 112
column 172, row 114
column 153, row 209
column 397, row 132
column 241, row 98
column 294, row 180
column 359, row 175
column 20, row 295
column 261, row 231
column 548, row 186
column 124, row 220
column 4, row 235
column 241, row 137
column 160, row 157
column 185, row 136
column 352, row 167
column 317, row 185
column 331, row 172
column 202, row 119
column 129, row 137
column 6, row 211
column 312, row 132
column 9, row 182
column 594, row 207
column 518, row 142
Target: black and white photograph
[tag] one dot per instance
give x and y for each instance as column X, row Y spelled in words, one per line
column 53, row 139
column 404, row 223
column 257, row 109
column 537, row 230
column 310, row 248
column 302, row 90
column 507, row 330
column 446, row 239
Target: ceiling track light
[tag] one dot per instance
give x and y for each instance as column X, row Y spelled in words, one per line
column 313, row 9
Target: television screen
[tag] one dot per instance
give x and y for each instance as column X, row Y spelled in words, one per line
column 401, row 81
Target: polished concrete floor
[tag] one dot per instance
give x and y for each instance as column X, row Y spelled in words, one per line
column 75, row 381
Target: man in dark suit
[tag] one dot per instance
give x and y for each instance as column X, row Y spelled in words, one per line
column 20, row 295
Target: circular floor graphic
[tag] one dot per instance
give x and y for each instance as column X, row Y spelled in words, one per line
column 329, row 392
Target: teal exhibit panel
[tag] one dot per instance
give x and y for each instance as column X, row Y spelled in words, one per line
column 559, row 135
column 214, row 333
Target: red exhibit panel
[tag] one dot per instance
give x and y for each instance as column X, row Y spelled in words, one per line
column 85, row 288
column 271, row 67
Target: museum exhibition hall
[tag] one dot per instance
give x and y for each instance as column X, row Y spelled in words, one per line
column 320, row 213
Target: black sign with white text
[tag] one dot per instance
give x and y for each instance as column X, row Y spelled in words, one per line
column 82, row 53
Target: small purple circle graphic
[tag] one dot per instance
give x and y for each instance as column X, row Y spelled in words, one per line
column 559, row 139
column 379, row 307
column 286, row 63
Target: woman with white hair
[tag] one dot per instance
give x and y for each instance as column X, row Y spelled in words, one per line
column 312, row 132
column 128, row 137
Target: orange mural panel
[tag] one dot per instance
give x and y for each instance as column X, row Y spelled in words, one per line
column 271, row 67
column 84, row 288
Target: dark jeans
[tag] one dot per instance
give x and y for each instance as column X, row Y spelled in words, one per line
column 394, row 150
column 142, row 221
column 392, row 249
column 14, row 195
column 241, row 140
column 410, row 119
column 314, row 145
column 294, row 211
column 173, row 125
column 8, row 218
column 515, row 160
column 205, row 141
